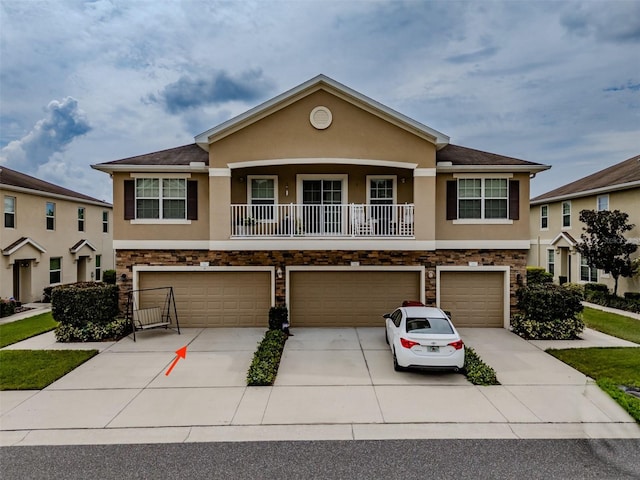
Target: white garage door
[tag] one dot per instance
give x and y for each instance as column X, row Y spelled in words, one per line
column 475, row 299
column 214, row 299
column 344, row 298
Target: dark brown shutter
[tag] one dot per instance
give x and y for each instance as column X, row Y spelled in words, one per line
column 514, row 199
column 452, row 200
column 129, row 199
column 192, row 200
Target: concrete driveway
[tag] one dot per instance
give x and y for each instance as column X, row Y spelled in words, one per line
column 332, row 384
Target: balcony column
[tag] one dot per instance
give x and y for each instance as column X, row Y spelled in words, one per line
column 424, row 199
column 219, row 203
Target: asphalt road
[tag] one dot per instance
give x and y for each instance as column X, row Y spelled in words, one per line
column 405, row 459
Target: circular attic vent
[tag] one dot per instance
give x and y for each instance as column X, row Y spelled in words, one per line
column 321, row 117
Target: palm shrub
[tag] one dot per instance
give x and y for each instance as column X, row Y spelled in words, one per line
column 549, row 312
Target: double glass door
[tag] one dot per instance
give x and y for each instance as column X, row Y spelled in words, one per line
column 322, row 207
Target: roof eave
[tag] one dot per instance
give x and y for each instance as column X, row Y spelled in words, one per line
column 586, row 193
column 42, row 193
column 491, row 168
column 123, row 167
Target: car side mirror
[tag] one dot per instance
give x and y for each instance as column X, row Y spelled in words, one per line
column 386, row 315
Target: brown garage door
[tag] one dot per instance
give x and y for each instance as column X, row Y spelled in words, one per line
column 215, row 299
column 341, row 299
column 475, row 299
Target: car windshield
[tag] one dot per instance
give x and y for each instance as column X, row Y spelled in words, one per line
column 429, row 325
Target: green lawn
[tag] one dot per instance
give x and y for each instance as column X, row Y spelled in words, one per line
column 22, row 329
column 35, row 369
column 612, row 324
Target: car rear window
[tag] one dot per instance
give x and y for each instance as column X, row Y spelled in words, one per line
column 428, row 325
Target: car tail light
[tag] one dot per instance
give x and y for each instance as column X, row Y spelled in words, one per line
column 457, row 345
column 408, row 343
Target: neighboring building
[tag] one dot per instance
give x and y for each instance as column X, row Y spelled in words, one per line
column 331, row 203
column 50, row 235
column 556, row 228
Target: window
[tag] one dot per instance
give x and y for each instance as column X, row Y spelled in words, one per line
column 587, row 273
column 566, row 214
column 105, row 221
column 551, row 262
column 10, row 212
column 603, row 202
column 50, row 212
column 98, row 269
column 55, row 270
column 482, row 198
column 81, row 219
column 544, row 217
column 262, row 194
column 164, row 198
column 381, row 190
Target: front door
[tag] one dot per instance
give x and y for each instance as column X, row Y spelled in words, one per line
column 322, row 206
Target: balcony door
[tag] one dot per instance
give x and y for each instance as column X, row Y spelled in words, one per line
column 322, row 205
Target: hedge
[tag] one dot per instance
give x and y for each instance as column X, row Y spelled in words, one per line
column 79, row 304
column 266, row 360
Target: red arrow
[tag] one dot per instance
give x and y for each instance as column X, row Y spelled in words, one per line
column 182, row 353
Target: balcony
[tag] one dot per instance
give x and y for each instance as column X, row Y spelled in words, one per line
column 322, row 221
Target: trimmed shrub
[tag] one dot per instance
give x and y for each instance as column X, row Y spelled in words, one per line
column 476, row 371
column 549, row 312
column 598, row 293
column 278, row 316
column 537, row 275
column 632, row 296
column 7, row 307
column 595, row 287
column 109, row 276
column 266, row 359
column 79, row 304
column 93, row 332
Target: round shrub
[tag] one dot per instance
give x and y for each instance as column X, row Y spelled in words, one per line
column 549, row 312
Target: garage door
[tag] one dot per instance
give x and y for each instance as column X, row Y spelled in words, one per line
column 214, row 299
column 475, row 299
column 341, row 299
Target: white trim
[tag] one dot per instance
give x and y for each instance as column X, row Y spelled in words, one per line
column 159, row 221
column 24, row 242
column 483, row 221
column 352, row 268
column 320, row 82
column 424, row 172
column 562, row 235
column 297, row 243
column 321, row 160
column 319, row 124
column 137, row 269
column 150, row 168
column 492, row 168
column 393, row 178
column 220, row 172
column 506, row 308
column 588, row 193
column 483, row 175
column 159, row 175
column 482, row 245
column 161, row 244
column 82, row 244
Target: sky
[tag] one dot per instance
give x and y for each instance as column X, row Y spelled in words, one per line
column 84, row 82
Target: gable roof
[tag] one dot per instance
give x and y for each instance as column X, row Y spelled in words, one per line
column 21, row 242
column 14, row 180
column 620, row 176
column 320, row 82
column 81, row 243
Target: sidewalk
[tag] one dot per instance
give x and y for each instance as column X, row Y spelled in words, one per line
column 333, row 384
column 612, row 310
column 34, row 309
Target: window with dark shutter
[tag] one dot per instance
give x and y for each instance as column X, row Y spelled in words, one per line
column 514, row 200
column 452, row 200
column 192, row 200
column 129, row 199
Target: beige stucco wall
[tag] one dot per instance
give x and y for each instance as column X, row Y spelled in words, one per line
column 448, row 230
column 34, row 265
column 354, row 133
column 624, row 200
column 125, row 229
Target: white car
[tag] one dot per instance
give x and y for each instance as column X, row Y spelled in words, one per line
column 423, row 337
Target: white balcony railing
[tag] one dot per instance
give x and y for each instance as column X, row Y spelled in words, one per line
column 294, row 220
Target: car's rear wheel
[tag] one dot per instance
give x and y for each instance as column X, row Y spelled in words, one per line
column 396, row 366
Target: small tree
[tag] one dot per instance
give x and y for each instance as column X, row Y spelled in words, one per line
column 603, row 244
